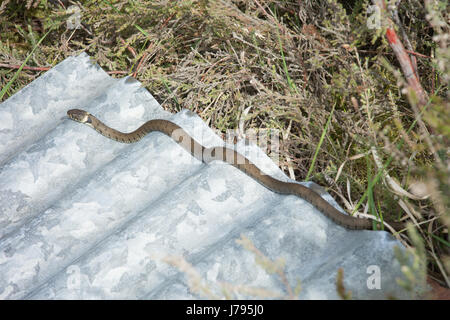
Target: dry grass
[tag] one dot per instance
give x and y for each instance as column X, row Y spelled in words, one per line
column 283, row 65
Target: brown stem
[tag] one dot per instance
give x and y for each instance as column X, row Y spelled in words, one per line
column 402, row 57
column 16, row 66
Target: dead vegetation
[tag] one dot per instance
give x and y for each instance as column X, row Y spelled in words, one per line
column 283, row 65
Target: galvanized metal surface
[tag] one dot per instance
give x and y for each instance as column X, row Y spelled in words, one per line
column 84, row 217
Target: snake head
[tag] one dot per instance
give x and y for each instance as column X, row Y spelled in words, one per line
column 79, row 115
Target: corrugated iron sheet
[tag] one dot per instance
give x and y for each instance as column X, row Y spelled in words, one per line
column 84, row 217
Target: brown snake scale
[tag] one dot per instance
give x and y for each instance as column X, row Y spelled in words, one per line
column 231, row 157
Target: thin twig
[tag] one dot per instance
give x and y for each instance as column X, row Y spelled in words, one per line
column 16, row 66
column 397, row 20
column 132, row 51
column 402, row 56
column 139, row 64
column 117, row 72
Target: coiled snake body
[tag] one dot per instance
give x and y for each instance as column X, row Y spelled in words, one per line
column 229, row 156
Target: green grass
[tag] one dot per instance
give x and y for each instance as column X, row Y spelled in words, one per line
column 6, row 87
column 302, row 64
column 322, row 137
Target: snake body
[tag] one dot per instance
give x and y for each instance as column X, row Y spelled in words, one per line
column 231, row 157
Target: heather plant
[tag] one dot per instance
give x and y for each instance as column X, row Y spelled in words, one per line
column 328, row 75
